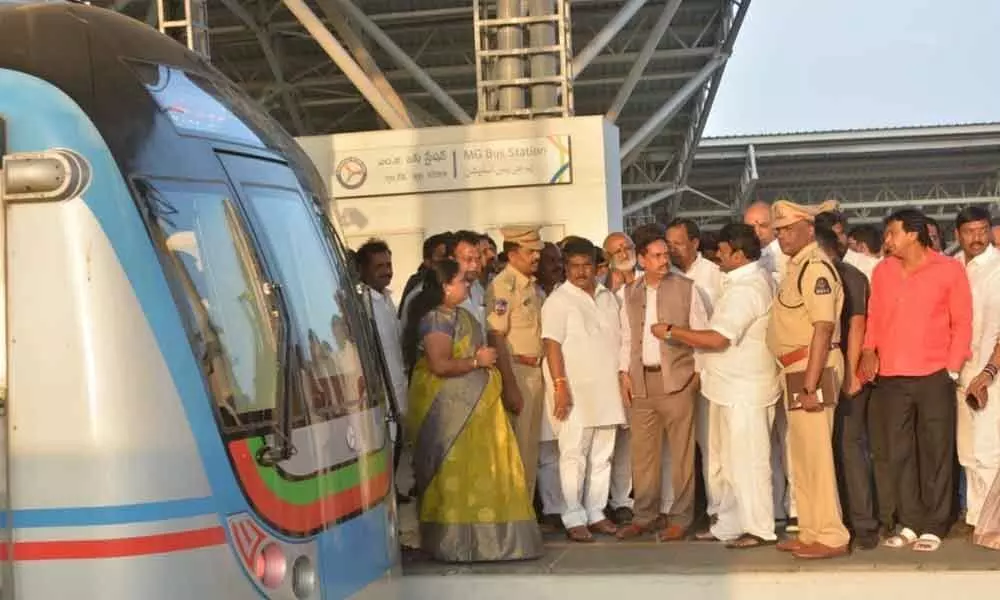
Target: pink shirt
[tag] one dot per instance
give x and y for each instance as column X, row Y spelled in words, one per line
column 920, row 322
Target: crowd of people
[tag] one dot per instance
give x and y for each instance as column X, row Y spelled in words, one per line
column 821, row 387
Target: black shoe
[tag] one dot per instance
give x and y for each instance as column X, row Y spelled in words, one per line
column 867, row 541
column 621, row 516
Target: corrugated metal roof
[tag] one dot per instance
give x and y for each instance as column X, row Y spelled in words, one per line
column 894, row 131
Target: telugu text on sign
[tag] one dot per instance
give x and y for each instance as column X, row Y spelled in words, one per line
column 444, row 167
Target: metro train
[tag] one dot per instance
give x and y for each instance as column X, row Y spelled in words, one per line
column 192, row 404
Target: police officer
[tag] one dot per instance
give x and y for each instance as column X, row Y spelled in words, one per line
column 803, row 334
column 514, row 324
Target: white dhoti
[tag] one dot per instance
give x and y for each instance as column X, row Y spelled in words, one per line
column 585, row 471
column 978, row 441
column 621, row 471
column 549, row 487
column 744, row 462
column 781, row 472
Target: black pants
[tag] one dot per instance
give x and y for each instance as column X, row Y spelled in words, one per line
column 920, row 424
column 854, row 469
column 878, row 440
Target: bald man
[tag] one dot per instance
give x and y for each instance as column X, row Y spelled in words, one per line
column 774, row 261
column 758, row 216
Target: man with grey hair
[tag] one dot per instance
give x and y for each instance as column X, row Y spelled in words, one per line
column 619, row 250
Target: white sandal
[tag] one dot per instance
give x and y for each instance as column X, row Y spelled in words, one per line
column 904, row 538
column 928, row 542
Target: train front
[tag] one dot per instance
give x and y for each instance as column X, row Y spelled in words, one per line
column 212, row 214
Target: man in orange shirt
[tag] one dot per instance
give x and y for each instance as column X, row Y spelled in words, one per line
column 918, row 337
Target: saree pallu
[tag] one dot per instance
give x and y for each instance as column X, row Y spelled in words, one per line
column 472, row 500
column 987, row 533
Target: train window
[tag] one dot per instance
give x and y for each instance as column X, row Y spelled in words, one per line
column 200, row 230
column 315, row 293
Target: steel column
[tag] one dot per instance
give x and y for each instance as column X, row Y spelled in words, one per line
column 404, row 61
column 669, row 109
column 645, row 55
column 343, row 60
column 543, row 95
column 510, row 68
column 605, row 35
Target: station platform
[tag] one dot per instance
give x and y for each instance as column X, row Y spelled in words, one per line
column 609, row 569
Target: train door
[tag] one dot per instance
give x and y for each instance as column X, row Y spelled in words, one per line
column 343, row 406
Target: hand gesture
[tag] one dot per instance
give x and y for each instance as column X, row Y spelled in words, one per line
column 978, row 389
column 852, row 385
column 563, row 402
column 625, row 388
column 486, row 356
column 809, row 402
column 659, row 330
column 868, row 366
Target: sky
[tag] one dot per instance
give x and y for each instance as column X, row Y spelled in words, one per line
column 806, row 65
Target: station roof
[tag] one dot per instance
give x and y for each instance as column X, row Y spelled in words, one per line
column 871, row 171
column 267, row 51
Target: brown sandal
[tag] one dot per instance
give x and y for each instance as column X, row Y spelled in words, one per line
column 603, row 527
column 749, row 540
column 579, row 534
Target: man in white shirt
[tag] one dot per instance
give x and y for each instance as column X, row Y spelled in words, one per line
column 622, row 271
column 683, row 240
column 837, row 222
column 978, row 429
column 659, row 384
column 374, row 260
column 774, row 261
column 581, row 334
column 740, row 379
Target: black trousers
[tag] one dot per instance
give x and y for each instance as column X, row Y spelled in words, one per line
column 920, row 424
column 878, row 440
column 854, row 469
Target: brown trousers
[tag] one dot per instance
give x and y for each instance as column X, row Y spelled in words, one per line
column 814, row 478
column 528, row 424
column 652, row 417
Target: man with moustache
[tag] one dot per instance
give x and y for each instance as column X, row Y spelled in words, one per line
column 659, row 384
column 622, row 271
column 978, row 424
column 581, row 335
column 918, row 338
column 803, row 334
column 513, row 317
column 740, row 379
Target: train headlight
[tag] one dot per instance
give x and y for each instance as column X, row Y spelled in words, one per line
column 303, row 578
column 271, row 566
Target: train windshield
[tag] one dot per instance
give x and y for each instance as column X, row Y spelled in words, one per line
column 267, row 307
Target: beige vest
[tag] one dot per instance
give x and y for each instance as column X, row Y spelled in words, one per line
column 673, row 305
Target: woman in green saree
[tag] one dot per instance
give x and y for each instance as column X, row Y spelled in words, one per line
column 472, row 501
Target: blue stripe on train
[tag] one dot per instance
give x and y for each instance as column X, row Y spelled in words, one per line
column 82, row 516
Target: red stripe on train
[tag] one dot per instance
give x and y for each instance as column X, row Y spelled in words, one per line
column 117, row 548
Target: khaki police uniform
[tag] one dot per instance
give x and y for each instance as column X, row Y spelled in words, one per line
column 514, row 311
column 810, row 292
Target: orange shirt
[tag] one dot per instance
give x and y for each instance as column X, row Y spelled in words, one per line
column 920, row 322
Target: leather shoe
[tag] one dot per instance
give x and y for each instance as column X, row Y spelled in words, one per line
column 818, row 550
column 866, row 541
column 789, row 545
column 673, row 533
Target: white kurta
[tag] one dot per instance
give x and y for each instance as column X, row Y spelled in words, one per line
column 978, row 432
column 742, row 383
column 390, row 334
column 862, row 262
column 588, row 331
column 707, row 279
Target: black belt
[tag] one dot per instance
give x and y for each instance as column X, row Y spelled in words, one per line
column 653, row 369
